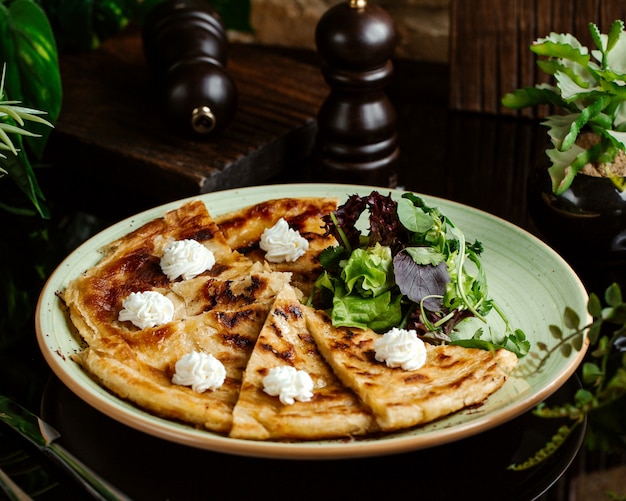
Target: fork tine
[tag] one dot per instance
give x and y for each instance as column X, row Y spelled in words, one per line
column 11, row 489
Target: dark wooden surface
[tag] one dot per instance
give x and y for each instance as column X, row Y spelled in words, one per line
column 111, row 126
column 490, row 39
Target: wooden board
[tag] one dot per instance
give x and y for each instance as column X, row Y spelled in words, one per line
column 111, row 126
column 490, row 39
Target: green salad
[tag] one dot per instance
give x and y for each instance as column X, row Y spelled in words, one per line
column 413, row 270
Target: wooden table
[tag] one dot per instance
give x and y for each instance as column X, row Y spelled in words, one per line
column 112, row 128
column 111, row 132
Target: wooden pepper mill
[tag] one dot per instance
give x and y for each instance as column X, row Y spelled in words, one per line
column 356, row 140
column 185, row 45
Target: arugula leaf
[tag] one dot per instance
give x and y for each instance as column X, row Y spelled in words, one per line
column 425, row 255
column 515, row 342
column 414, row 218
column 331, row 257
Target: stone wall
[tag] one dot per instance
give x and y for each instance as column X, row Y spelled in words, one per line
column 423, row 25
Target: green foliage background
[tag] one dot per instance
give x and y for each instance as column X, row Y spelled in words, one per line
column 32, row 35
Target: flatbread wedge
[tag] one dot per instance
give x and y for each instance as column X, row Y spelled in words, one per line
column 334, row 411
column 243, row 228
column 452, row 378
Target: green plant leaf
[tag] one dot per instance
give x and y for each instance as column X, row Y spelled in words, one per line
column 586, row 114
column 577, row 341
column 86, row 24
column 235, row 14
column 571, row 318
column 425, row 255
column 566, row 164
column 23, row 175
column 594, row 307
column 561, row 47
column 596, row 37
column 619, row 137
column 548, row 449
column 594, row 332
column 615, row 33
column 591, row 372
column 414, row 218
column 618, row 381
column 532, row 96
column 616, row 49
column 571, row 90
column 34, row 78
column 556, row 331
column 579, row 77
column 566, row 350
column 559, row 127
column 613, row 295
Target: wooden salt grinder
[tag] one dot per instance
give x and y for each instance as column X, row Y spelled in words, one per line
column 356, row 140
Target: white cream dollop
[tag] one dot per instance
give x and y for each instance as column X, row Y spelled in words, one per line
column 401, row 348
column 288, row 384
column 282, row 243
column 186, row 258
column 201, row 371
column 146, row 309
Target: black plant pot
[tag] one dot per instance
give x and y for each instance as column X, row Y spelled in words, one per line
column 586, row 224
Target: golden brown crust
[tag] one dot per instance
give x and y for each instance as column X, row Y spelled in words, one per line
column 131, row 264
column 138, row 364
column 334, row 411
column 243, row 228
column 452, row 378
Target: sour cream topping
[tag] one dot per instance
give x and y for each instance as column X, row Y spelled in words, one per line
column 282, row 243
column 289, row 384
column 146, row 309
column 401, row 348
column 201, row 371
column 186, row 258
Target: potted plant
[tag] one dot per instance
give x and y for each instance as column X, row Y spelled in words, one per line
column 579, row 202
column 577, row 198
column 601, row 400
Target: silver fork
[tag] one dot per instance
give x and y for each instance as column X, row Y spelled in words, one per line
column 11, row 489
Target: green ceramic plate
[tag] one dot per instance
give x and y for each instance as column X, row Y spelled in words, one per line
column 530, row 282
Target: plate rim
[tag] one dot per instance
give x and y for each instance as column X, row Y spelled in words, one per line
column 143, row 421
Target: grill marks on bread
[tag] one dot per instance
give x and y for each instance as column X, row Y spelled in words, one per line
column 452, row 378
column 137, row 364
column 242, row 230
column 334, row 410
